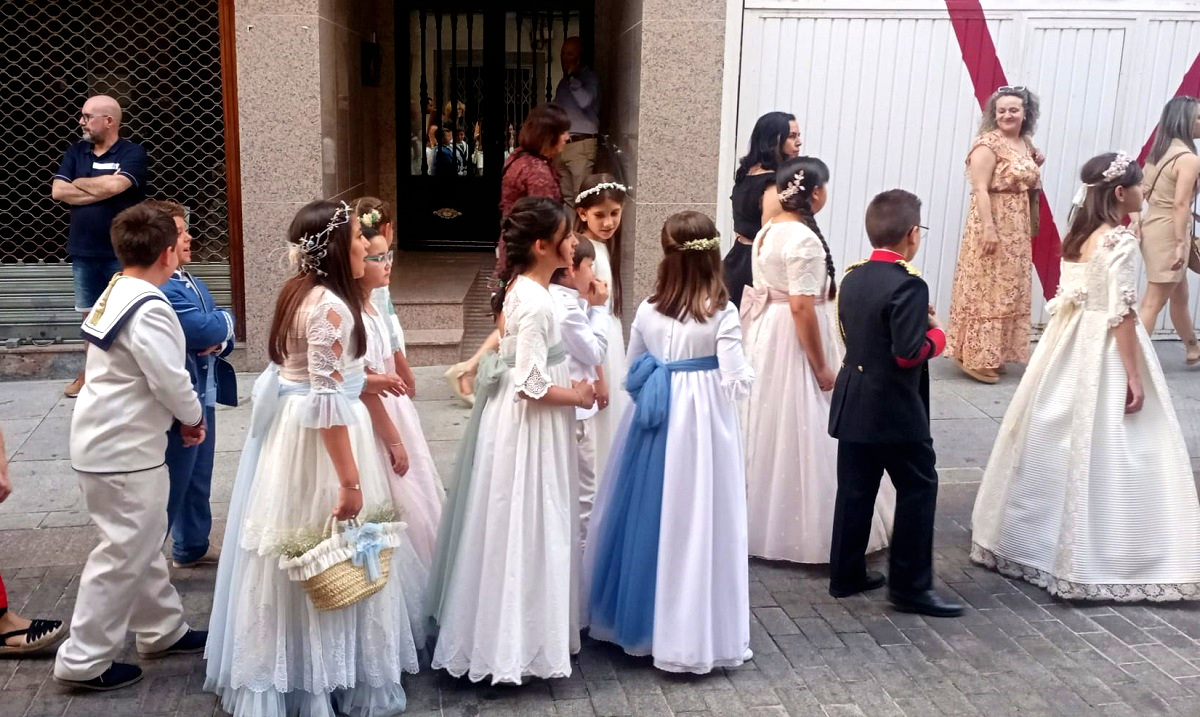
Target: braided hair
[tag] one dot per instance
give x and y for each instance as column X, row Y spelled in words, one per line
column 532, row 219
column 796, row 181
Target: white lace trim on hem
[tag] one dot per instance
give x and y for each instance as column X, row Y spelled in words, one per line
column 1071, row 590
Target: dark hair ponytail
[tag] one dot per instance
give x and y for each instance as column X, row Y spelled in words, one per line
column 531, row 219
column 795, row 195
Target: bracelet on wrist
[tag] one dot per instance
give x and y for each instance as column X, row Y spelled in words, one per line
column 350, row 487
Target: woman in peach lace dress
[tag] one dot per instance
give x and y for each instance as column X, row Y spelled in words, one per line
column 990, row 304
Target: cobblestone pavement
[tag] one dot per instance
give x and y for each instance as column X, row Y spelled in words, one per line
column 1016, row 651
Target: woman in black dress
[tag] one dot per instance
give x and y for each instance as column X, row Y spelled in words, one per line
column 775, row 139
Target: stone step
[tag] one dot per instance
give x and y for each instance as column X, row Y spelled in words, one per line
column 432, row 347
column 429, row 288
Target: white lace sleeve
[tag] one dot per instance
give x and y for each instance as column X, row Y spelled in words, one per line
column 804, row 259
column 329, row 324
column 533, row 336
column 1122, row 291
column 737, row 375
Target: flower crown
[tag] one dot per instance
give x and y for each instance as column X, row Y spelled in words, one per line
column 312, row 248
column 600, row 188
column 793, row 187
column 370, row 219
column 701, row 244
column 1116, row 168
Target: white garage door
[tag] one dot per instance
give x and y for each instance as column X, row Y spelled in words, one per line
column 883, row 95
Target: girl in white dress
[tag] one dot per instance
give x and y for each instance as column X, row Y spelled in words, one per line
column 504, row 584
column 375, row 218
column 1089, row 490
column 310, row 453
column 415, row 485
column 598, row 208
column 666, row 568
column 792, row 343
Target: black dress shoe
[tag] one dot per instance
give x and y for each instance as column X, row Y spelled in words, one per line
column 192, row 643
column 118, row 675
column 926, row 603
column 873, row 579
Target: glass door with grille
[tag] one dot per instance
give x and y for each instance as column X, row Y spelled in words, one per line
column 468, row 77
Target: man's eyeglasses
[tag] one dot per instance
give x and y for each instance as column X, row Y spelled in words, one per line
column 89, row 117
column 381, row 258
column 1010, row 88
column 924, row 230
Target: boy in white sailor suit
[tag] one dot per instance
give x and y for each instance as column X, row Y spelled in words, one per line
column 136, row 384
column 583, row 321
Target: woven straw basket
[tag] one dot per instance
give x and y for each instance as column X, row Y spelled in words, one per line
column 331, row 579
column 346, row 583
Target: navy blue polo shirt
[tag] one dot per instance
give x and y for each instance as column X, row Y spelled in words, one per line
column 90, row 223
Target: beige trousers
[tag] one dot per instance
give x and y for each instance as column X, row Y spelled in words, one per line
column 574, row 165
column 125, row 585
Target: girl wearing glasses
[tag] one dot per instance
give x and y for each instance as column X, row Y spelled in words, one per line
column 990, row 303
column 416, row 488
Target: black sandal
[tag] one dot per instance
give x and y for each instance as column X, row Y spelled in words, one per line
column 40, row 635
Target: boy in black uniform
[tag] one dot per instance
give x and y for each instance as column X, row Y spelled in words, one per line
column 880, row 412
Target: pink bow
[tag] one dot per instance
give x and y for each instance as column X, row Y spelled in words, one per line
column 755, row 300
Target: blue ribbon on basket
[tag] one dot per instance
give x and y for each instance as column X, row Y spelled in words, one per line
column 367, row 541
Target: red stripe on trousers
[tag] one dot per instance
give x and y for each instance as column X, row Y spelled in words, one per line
column 983, row 65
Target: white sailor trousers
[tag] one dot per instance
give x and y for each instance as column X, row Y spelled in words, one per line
column 125, row 585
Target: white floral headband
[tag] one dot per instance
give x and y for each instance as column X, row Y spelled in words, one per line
column 370, row 219
column 701, row 244
column 312, row 248
column 1116, row 168
column 600, row 188
column 793, row 187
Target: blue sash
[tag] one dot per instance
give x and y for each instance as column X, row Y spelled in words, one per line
column 626, row 558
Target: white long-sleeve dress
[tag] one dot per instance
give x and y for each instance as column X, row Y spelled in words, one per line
column 791, row 460
column 615, row 365
column 1079, row 497
column 505, row 580
column 688, row 607
column 270, row 652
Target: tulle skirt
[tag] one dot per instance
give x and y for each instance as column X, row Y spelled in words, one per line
column 270, row 653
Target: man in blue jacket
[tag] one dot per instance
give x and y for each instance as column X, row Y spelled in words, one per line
column 208, row 333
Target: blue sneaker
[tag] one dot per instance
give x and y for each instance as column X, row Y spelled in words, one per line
column 191, row 643
column 118, row 675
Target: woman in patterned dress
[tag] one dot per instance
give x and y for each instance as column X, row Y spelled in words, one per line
column 990, row 303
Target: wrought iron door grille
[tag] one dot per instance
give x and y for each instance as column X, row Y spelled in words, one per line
column 161, row 60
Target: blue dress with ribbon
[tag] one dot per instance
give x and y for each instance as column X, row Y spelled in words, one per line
column 626, row 559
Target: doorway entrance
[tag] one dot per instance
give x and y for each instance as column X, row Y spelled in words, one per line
column 467, row 75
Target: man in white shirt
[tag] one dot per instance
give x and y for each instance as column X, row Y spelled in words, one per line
column 136, row 385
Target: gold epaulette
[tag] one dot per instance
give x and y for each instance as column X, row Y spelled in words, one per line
column 909, row 268
column 855, row 265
